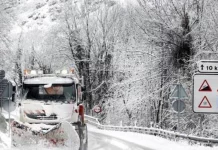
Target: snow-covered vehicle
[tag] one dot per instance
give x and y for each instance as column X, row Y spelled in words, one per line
column 51, row 111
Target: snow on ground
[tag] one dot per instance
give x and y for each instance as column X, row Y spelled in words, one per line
column 150, row 141
column 5, row 141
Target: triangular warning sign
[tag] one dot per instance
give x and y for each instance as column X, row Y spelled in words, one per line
column 180, row 92
column 205, row 87
column 205, row 103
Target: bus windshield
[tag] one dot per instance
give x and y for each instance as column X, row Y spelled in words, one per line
column 54, row 92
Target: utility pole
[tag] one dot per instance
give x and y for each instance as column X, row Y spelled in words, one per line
column 178, row 104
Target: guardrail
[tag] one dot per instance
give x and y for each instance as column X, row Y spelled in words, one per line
column 153, row 131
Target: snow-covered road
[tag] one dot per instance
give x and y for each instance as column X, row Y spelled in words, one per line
column 115, row 140
column 99, row 141
column 136, row 141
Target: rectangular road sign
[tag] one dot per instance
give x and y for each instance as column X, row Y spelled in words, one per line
column 210, row 66
column 205, row 93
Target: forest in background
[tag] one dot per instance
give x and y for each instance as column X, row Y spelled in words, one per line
column 130, row 53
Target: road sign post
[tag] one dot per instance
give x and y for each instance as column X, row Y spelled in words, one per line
column 178, row 105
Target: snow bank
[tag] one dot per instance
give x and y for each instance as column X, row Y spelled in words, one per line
column 5, row 141
column 4, row 135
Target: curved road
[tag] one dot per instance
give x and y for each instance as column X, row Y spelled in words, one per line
column 99, row 141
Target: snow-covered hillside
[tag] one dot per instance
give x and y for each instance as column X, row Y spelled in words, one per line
column 130, row 54
column 38, row 14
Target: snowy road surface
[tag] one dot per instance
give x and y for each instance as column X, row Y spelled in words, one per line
column 107, row 140
column 115, row 140
column 99, row 141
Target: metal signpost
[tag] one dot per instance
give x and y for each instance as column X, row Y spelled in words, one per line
column 178, row 105
column 205, row 87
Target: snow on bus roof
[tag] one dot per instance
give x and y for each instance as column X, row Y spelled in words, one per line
column 50, row 80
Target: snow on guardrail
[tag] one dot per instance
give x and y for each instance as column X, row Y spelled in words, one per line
column 152, row 131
